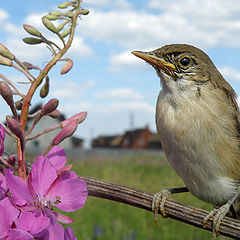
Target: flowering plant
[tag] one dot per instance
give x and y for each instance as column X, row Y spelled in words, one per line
column 29, row 196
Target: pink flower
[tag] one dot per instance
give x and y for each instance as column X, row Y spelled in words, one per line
column 69, row 234
column 18, row 234
column 2, row 137
column 8, row 212
column 49, row 184
column 8, row 215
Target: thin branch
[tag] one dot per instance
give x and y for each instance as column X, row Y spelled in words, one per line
column 176, row 210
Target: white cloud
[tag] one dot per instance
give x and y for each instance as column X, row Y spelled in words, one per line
column 79, row 48
column 3, row 15
column 26, row 52
column 216, row 24
column 118, row 4
column 123, row 60
column 69, row 90
column 111, row 108
column 34, row 19
column 230, row 74
column 120, row 94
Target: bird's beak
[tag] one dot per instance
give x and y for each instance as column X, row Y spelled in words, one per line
column 155, row 61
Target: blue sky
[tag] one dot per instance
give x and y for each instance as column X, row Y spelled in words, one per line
column 107, row 81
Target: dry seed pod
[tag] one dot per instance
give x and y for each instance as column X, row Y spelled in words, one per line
column 49, row 25
column 31, row 30
column 32, row 41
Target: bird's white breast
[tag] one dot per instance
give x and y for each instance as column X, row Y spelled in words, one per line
column 188, row 139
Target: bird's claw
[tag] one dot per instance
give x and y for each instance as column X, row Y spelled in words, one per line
column 158, row 202
column 217, row 215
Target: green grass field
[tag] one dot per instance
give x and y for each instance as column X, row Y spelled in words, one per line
column 103, row 219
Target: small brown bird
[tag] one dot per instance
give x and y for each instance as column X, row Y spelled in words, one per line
column 198, row 122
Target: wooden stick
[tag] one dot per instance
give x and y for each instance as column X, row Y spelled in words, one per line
column 191, row 215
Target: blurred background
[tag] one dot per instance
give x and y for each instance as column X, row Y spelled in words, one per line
column 119, row 93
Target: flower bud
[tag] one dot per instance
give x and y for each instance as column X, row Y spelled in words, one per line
column 28, row 65
column 5, row 61
column 12, row 159
column 14, row 126
column 6, row 53
column 19, row 105
column 6, row 93
column 64, row 5
column 67, row 131
column 54, row 114
column 45, row 88
column 66, row 32
column 55, row 13
column 49, row 25
column 32, row 41
column 67, row 67
column 80, row 117
column 50, row 106
column 69, row 14
column 31, row 30
column 84, row 12
column 60, row 27
column 51, row 17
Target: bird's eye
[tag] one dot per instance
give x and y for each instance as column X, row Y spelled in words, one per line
column 185, row 61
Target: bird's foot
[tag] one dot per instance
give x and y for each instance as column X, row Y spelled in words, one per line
column 217, row 215
column 159, row 200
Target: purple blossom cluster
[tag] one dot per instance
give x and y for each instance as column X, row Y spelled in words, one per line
column 27, row 207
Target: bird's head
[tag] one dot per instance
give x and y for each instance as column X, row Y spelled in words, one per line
column 180, row 65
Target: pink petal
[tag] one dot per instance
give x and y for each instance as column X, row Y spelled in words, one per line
column 2, row 137
column 64, row 168
column 55, row 216
column 33, row 222
column 18, row 234
column 19, row 188
column 57, row 157
column 3, row 186
column 72, row 194
column 2, row 132
column 8, row 214
column 43, row 175
column 55, row 231
column 67, row 175
column 69, row 234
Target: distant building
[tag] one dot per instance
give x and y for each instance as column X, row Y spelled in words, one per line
column 106, row 141
column 141, row 138
column 37, row 145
